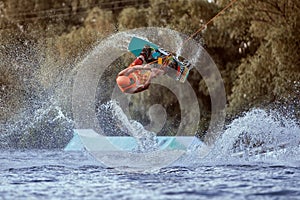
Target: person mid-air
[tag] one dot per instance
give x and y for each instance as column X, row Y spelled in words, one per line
column 150, row 63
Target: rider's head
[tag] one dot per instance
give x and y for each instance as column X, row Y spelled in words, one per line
column 123, row 81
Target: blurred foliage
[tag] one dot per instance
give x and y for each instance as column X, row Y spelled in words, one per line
column 138, row 18
column 98, row 24
column 268, row 33
column 255, row 44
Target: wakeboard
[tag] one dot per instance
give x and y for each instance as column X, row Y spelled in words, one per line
column 163, row 57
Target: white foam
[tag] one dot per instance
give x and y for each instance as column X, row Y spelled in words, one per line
column 259, row 136
column 146, row 140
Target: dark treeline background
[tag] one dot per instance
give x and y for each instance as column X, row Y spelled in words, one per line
column 255, row 44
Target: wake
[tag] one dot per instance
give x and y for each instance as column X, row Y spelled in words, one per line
column 258, row 136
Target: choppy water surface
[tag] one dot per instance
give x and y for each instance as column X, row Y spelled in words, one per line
column 37, row 174
column 257, row 157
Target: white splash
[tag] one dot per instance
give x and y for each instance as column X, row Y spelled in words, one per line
column 259, row 136
column 146, row 140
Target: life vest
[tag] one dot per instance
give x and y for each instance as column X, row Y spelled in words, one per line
column 132, row 82
column 136, row 79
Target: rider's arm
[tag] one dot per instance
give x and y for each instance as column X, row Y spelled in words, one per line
column 129, row 70
column 142, row 88
column 154, row 73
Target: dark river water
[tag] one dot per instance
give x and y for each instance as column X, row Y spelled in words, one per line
column 44, row 174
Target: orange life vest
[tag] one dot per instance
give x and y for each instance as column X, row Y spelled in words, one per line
column 137, row 78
